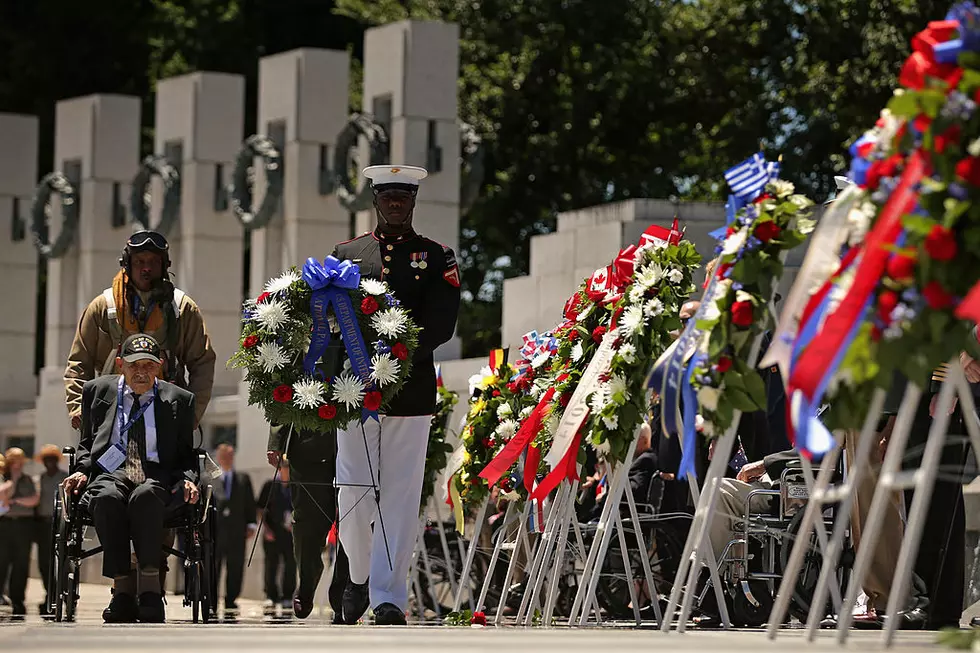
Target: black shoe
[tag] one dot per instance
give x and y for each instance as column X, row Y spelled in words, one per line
column 122, row 609
column 19, row 609
column 914, row 619
column 151, row 609
column 356, row 600
column 389, row 614
column 302, row 606
column 975, row 622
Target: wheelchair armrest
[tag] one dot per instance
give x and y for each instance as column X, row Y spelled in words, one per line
column 69, row 452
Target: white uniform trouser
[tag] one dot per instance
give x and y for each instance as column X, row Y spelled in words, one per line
column 731, row 508
column 396, row 447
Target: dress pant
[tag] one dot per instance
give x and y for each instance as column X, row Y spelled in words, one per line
column 231, row 556
column 16, row 537
column 878, row 581
column 279, row 556
column 393, row 449
column 942, row 551
column 311, row 473
column 730, row 510
column 124, row 511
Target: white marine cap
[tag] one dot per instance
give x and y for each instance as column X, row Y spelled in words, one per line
column 395, row 174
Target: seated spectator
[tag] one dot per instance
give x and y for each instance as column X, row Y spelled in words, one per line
column 135, row 460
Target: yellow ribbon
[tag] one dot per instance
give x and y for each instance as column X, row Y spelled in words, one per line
column 457, row 505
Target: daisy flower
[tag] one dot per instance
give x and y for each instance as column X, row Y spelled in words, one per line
column 617, row 386
column 391, row 322
column 636, row 294
column 374, row 287
column 628, row 353
column 308, row 393
column 653, row 308
column 611, row 421
column 271, row 357
column 348, row 389
column 599, row 399
column 632, row 321
column 271, row 316
column 506, row 430
column 282, row 282
column 384, row 369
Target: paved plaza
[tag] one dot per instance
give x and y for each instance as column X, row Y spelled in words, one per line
column 253, row 631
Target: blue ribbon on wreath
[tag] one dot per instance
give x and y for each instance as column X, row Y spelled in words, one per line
column 331, row 282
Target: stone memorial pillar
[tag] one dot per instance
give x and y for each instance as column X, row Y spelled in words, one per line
column 199, row 127
column 97, row 147
column 303, row 106
column 411, row 70
column 18, row 261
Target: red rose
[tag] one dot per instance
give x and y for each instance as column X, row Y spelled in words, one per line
column 900, row 267
column 369, row 305
column 372, row 400
column 327, row 411
column 947, row 138
column 261, row 298
column 250, row 341
column 495, row 393
column 969, row 170
column 936, row 296
column 283, row 394
column 941, row 243
column 887, row 301
column 767, row 231
column 742, row 314
column 724, row 364
column 478, row 619
column 400, row 351
column 598, row 333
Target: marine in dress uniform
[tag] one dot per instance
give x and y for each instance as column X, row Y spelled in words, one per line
column 424, row 277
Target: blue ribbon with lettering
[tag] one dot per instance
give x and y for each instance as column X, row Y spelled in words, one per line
column 331, row 282
column 690, row 417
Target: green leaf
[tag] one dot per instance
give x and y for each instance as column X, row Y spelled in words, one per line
column 904, row 105
column 741, row 400
column 938, row 321
column 756, row 388
column 717, row 340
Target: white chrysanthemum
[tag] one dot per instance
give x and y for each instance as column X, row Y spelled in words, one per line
column 374, row 287
column 632, row 320
column 675, row 276
column 551, row 424
column 348, row 389
column 782, row 188
column 617, row 386
column 576, row 352
column 708, row 397
column 385, row 369
column 527, row 410
column 504, row 410
column 271, row 357
column 628, row 353
column 480, row 380
column 282, row 282
column 636, row 294
column 308, row 393
column 599, row 399
column 734, row 242
column 653, row 308
column 271, row 316
column 506, row 430
column 391, row 322
column 649, row 275
column 611, row 421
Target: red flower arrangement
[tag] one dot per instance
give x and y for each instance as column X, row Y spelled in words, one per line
column 283, row 394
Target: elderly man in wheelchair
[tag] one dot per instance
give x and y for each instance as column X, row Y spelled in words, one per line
column 752, row 534
column 136, row 466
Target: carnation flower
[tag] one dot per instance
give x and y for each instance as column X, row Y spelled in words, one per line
column 390, row 322
column 327, row 411
column 504, row 410
column 348, row 389
column 250, row 341
column 708, row 397
column 282, row 282
column 372, row 400
column 385, row 369
column 374, row 287
column 369, row 305
column 271, row 316
column 282, row 394
column 271, row 357
column 675, row 276
column 399, row 351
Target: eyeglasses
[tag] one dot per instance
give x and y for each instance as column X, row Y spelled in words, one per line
column 151, row 238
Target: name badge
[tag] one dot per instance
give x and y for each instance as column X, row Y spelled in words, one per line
column 112, row 458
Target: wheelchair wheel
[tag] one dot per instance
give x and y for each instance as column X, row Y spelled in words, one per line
column 664, row 548
column 51, row 595
column 192, row 589
column 751, row 603
column 806, row 584
column 67, row 558
column 211, row 561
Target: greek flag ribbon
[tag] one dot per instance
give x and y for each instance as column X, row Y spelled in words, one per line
column 747, row 180
column 331, row 282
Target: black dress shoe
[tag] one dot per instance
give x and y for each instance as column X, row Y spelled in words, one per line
column 389, row 614
column 975, row 622
column 356, row 600
column 302, row 606
column 151, row 608
column 20, row 609
column 122, row 609
column 914, row 619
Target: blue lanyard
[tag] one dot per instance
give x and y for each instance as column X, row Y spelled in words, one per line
column 124, row 425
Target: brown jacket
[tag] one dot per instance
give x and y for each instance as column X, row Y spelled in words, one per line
column 93, row 345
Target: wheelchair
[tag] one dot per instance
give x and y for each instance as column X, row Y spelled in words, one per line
column 195, row 525
column 752, row 565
